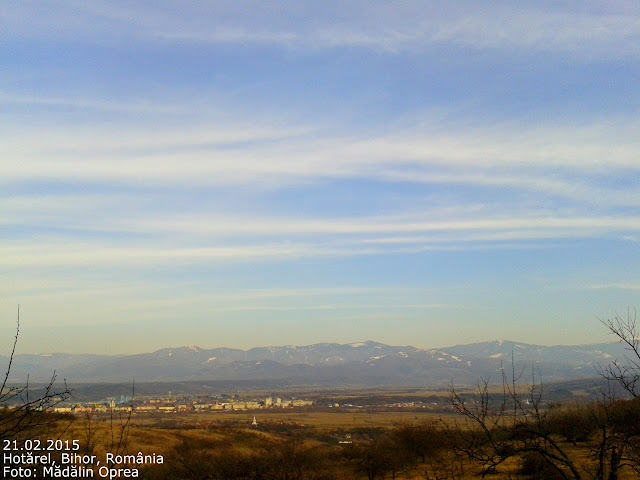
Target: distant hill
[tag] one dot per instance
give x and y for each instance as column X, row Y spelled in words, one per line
column 366, row 364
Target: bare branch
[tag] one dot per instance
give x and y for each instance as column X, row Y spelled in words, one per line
column 13, row 351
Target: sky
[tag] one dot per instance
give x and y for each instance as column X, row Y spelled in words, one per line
column 244, row 174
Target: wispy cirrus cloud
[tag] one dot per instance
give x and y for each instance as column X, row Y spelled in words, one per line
column 584, row 31
column 234, row 240
column 89, row 104
column 616, row 286
column 233, row 226
column 138, row 214
column 512, row 31
column 83, row 254
column 203, row 156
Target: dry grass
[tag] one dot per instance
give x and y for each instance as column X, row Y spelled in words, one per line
column 162, row 433
column 343, row 419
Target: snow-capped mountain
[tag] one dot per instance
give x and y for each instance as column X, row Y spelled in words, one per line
column 364, row 363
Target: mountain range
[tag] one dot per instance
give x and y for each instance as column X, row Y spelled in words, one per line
column 366, row 364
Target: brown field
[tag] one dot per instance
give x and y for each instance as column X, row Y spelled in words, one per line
column 343, row 419
column 196, row 444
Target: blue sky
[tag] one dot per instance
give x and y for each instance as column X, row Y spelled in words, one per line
column 242, row 174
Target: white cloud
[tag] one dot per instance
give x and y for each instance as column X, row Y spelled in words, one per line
column 134, row 106
column 77, row 254
column 233, row 226
column 414, row 27
column 197, row 291
column 139, row 214
column 616, row 286
column 99, row 142
column 362, row 306
column 289, row 239
column 576, row 29
column 544, row 158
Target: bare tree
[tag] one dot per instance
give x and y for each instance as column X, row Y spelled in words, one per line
column 515, row 424
column 22, row 410
column 625, row 372
column 509, row 424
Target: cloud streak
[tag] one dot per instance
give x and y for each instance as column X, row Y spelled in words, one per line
column 289, row 240
column 617, row 286
column 531, row 157
column 577, row 31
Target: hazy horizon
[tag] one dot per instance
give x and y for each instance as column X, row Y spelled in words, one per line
column 611, row 340
column 249, row 174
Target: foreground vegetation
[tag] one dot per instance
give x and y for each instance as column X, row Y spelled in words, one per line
column 590, row 441
column 509, row 434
